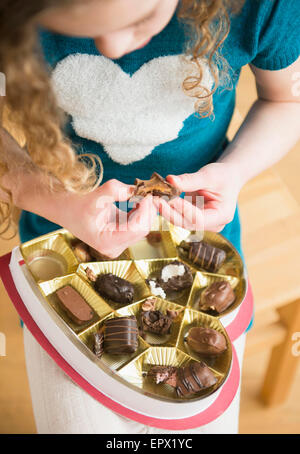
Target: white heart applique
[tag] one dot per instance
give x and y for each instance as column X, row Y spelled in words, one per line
column 128, row 115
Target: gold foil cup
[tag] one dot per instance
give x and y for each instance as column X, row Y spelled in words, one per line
column 144, row 250
column 48, row 289
column 112, row 361
column 160, row 305
column 233, row 264
column 150, row 269
column 136, row 373
column 218, row 363
column 203, row 280
column 125, row 269
column 49, row 257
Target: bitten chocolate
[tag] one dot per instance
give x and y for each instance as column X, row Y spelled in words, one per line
column 120, row 335
column 204, row 255
column 206, row 341
column 218, row 297
column 154, row 321
column 156, row 186
column 186, row 380
column 114, row 288
column 164, row 374
column 74, row 305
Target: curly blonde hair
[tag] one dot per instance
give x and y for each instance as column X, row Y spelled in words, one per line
column 30, row 104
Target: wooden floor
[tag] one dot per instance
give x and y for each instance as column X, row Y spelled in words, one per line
column 273, row 221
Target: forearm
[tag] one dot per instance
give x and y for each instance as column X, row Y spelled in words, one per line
column 29, row 187
column 268, row 132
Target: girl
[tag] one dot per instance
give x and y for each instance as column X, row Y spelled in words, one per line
column 145, row 86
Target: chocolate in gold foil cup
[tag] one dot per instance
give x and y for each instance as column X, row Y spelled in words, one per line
column 99, row 306
column 124, row 269
column 114, row 362
column 151, row 269
column 136, row 372
column 203, row 280
column 161, row 305
column 233, row 264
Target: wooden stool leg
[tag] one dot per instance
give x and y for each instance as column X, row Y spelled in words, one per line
column 284, row 360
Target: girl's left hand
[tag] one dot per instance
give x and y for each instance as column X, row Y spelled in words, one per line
column 219, row 185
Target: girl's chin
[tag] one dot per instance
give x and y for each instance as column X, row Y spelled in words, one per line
column 140, row 46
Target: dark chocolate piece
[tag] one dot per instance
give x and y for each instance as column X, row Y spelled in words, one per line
column 154, row 321
column 120, row 335
column 114, row 288
column 206, row 341
column 164, row 374
column 204, row 255
column 193, row 378
column 74, row 305
column 218, row 297
column 175, row 282
column 157, row 186
column 98, row 343
column 154, row 238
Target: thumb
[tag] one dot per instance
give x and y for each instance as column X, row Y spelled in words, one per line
column 187, row 182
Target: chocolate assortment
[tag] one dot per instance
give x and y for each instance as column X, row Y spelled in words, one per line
column 156, row 186
column 74, row 305
column 157, row 316
column 204, row 255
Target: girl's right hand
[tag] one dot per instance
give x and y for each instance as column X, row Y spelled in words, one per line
column 94, row 218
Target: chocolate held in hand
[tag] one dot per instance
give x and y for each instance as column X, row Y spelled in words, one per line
column 112, row 287
column 120, row 335
column 186, row 380
column 218, row 297
column 74, row 305
column 157, row 186
column 155, row 321
column 206, row 341
column 204, row 255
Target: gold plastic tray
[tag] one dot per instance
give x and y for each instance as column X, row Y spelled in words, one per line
column 141, row 262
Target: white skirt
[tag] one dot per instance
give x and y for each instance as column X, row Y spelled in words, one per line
column 62, row 407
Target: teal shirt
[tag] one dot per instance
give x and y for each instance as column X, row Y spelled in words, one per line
column 123, row 110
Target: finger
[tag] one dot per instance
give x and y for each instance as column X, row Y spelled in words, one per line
column 170, row 213
column 214, row 218
column 187, row 182
column 112, row 241
column 182, row 213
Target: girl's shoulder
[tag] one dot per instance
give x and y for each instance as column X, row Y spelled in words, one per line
column 267, row 33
